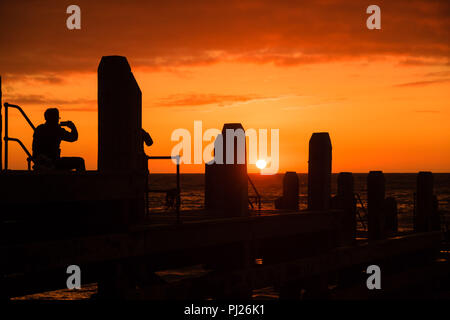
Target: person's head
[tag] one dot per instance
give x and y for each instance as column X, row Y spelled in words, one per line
column 51, row 116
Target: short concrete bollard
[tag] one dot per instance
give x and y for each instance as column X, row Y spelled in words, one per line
column 289, row 200
column 426, row 216
column 345, row 200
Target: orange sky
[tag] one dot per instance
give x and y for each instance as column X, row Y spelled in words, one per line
column 383, row 95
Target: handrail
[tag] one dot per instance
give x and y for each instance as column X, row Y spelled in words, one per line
column 8, row 105
column 7, row 138
column 258, row 196
column 178, row 182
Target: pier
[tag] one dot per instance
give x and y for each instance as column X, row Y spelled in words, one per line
column 99, row 221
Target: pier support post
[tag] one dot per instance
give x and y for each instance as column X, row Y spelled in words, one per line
column 345, row 200
column 426, row 214
column 120, row 145
column 376, row 194
column 226, row 189
column 289, row 200
column 390, row 207
column 319, row 171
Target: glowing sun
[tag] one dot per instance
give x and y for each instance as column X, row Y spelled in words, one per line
column 261, row 164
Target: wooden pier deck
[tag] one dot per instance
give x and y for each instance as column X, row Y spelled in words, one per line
column 280, row 249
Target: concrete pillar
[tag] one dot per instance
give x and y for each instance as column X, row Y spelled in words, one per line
column 226, row 189
column 346, row 201
column 424, row 202
column 289, row 200
column 375, row 194
column 119, row 117
column 319, row 171
column 390, row 209
column 120, row 146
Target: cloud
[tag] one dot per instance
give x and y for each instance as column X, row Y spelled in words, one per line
column 37, row 79
column 420, row 62
column 180, row 100
column 168, row 34
column 423, row 83
column 37, row 99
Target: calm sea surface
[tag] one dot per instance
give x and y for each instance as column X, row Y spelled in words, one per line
column 398, row 185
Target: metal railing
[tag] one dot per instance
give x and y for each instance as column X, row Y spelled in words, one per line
column 257, row 196
column 178, row 189
column 363, row 208
column 7, row 138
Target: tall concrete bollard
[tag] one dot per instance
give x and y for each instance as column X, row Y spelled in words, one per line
column 289, row 200
column 319, row 171
column 376, row 214
column 346, row 201
column 226, row 189
column 425, row 203
column 119, row 117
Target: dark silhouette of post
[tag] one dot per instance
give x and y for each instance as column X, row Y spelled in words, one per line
column 1, row 128
column 120, row 130
column 426, row 214
column 319, row 171
column 289, row 200
column 390, row 207
column 119, row 117
column 346, row 201
column 226, row 189
column 375, row 196
column 120, row 154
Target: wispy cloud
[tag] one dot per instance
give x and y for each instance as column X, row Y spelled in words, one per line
column 185, row 33
column 427, row 111
column 423, row 83
column 221, row 100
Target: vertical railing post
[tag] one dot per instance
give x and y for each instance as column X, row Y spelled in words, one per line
column 1, row 121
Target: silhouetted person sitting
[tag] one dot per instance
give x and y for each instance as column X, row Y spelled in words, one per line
column 46, row 140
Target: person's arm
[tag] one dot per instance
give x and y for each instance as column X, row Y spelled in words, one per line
column 146, row 137
column 71, row 136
